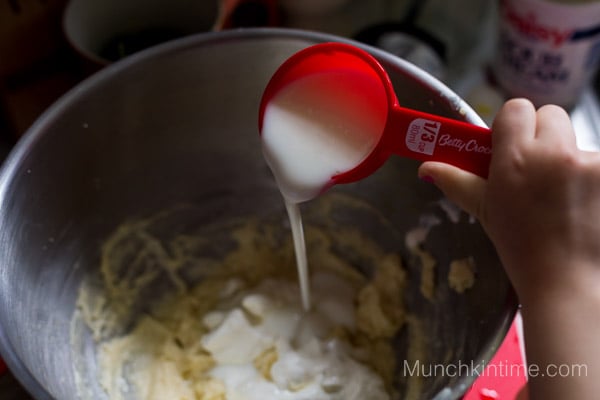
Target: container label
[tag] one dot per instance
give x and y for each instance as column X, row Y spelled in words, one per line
column 547, row 51
column 421, row 136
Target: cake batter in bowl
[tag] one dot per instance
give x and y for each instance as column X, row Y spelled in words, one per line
column 130, row 193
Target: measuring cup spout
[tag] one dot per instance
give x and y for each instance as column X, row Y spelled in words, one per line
column 426, row 137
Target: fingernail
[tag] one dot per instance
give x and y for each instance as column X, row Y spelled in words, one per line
column 427, row 178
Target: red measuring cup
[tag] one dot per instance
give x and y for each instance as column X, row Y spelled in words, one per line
column 406, row 132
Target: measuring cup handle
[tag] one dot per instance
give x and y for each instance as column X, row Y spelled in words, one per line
column 426, row 137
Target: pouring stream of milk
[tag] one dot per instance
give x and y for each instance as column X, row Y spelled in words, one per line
column 295, row 217
column 312, row 130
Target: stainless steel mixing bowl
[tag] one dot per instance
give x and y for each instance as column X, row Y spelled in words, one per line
column 178, row 124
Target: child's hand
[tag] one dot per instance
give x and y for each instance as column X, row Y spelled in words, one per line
column 541, row 203
column 541, row 208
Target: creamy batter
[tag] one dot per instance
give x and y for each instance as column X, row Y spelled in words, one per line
column 461, row 275
column 241, row 332
column 268, row 348
column 167, row 313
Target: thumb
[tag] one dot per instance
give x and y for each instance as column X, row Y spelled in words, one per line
column 461, row 187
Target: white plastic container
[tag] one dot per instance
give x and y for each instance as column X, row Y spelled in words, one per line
column 548, row 51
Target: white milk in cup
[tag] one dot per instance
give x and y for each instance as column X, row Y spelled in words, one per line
column 548, row 51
